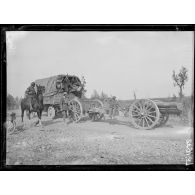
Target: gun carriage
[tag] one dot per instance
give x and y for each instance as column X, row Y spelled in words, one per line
column 146, row 113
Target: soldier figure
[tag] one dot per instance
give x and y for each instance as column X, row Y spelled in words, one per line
column 112, row 107
column 64, row 101
column 30, row 93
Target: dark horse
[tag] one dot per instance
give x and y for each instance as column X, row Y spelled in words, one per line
column 37, row 103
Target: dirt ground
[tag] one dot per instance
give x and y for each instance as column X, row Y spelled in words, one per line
column 105, row 142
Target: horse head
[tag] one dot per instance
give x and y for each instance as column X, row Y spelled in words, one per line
column 40, row 89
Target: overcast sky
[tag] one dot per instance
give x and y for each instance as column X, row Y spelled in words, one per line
column 117, row 63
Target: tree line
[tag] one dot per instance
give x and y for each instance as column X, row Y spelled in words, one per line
column 13, row 103
column 179, row 80
column 96, row 95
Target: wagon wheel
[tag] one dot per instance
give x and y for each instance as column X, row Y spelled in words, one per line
column 76, row 109
column 99, row 103
column 51, row 112
column 144, row 114
column 99, row 116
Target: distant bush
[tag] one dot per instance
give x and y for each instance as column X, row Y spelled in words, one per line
column 13, row 103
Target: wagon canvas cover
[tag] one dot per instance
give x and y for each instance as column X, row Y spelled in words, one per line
column 49, row 83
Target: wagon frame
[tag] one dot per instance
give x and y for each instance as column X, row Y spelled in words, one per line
column 55, row 88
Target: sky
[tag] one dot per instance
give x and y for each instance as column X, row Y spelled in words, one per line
column 117, row 63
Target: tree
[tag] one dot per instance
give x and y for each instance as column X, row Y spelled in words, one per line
column 174, row 98
column 180, row 80
column 95, row 95
column 103, row 95
column 17, row 102
column 134, row 95
column 83, row 82
column 11, row 103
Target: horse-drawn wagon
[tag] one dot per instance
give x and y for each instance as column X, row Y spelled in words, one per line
column 54, row 89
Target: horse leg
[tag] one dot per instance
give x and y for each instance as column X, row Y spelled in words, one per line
column 22, row 114
column 29, row 114
column 39, row 118
column 64, row 116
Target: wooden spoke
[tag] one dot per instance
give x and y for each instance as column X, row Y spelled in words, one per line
column 150, row 108
column 151, row 116
column 135, row 114
column 146, row 121
column 141, row 106
column 144, row 114
column 150, row 119
column 76, row 108
column 152, row 112
column 135, row 111
column 137, row 107
column 146, row 106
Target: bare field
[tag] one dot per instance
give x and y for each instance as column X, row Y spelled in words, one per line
column 105, row 142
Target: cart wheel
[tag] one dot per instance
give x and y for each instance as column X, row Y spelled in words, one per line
column 98, row 103
column 144, row 114
column 76, row 109
column 51, row 112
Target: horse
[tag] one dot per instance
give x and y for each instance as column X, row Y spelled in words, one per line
column 37, row 104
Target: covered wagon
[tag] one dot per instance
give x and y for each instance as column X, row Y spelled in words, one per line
column 55, row 87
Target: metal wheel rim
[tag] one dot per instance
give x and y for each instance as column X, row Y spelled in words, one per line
column 100, row 103
column 144, row 114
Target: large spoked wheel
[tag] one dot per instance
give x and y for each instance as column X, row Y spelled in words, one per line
column 76, row 110
column 144, row 114
column 51, row 112
column 97, row 104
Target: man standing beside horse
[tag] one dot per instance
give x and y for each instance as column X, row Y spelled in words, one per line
column 113, row 106
column 64, row 106
column 30, row 93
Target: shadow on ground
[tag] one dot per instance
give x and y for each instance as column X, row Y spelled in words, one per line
column 50, row 122
column 117, row 122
